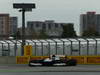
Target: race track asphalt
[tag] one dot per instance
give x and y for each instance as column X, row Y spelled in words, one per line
column 26, row 68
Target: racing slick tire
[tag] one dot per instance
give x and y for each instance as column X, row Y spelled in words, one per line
column 71, row 62
column 30, row 65
column 47, row 64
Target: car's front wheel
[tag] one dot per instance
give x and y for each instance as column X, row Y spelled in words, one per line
column 47, row 64
column 29, row 65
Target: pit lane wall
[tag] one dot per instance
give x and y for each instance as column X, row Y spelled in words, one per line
column 80, row 59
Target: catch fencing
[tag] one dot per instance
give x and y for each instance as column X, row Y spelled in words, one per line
column 46, row 47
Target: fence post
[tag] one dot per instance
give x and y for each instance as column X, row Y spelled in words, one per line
column 79, row 46
column 96, row 43
column 71, row 47
column 48, row 46
column 87, row 46
column 34, row 46
column 55, row 46
column 63, row 46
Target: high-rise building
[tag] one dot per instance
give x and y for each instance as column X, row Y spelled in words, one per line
column 13, row 22
column 4, row 25
column 8, row 26
column 89, row 20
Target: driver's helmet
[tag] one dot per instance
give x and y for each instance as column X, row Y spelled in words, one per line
column 53, row 57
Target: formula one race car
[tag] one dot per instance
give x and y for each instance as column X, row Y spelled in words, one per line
column 54, row 60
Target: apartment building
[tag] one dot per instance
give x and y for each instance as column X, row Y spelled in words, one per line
column 8, row 25
column 50, row 27
column 89, row 20
column 4, row 26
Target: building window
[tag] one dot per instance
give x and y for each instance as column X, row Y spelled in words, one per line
column 49, row 26
column 31, row 26
column 43, row 26
column 56, row 25
column 1, row 22
column 37, row 25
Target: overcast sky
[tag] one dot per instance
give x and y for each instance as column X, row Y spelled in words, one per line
column 58, row 10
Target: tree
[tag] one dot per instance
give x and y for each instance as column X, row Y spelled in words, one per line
column 91, row 32
column 43, row 35
column 68, row 31
column 17, row 35
column 35, row 35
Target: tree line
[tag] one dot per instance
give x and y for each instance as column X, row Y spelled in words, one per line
column 68, row 32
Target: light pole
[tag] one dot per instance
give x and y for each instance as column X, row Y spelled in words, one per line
column 24, row 7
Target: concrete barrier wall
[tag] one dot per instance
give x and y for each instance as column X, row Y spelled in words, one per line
column 80, row 59
column 25, row 59
column 7, row 60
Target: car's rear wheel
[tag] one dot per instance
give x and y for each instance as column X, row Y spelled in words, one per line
column 30, row 65
column 71, row 62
